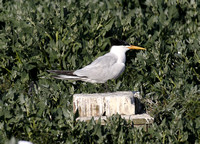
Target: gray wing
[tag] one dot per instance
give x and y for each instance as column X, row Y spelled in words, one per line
column 102, row 69
column 106, row 60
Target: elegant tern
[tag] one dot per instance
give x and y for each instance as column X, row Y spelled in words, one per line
column 106, row 67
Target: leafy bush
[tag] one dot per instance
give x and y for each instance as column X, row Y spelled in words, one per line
column 39, row 35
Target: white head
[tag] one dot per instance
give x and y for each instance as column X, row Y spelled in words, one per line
column 119, row 49
column 120, row 46
column 123, row 48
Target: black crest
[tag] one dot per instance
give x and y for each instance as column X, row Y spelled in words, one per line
column 119, row 42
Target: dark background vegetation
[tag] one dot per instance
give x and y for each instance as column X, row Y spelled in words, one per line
column 64, row 34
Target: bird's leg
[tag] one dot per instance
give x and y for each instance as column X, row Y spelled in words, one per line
column 109, row 87
column 101, row 87
column 106, row 87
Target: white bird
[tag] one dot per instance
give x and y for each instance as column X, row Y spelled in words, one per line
column 106, row 67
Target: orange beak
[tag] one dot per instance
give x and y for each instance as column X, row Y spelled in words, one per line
column 136, row 47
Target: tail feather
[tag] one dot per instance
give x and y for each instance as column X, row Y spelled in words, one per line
column 66, row 75
column 61, row 72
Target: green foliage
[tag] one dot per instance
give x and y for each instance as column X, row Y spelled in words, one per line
column 39, row 35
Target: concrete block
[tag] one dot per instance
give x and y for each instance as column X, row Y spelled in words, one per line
column 104, row 104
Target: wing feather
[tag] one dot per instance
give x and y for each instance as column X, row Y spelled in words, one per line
column 101, row 69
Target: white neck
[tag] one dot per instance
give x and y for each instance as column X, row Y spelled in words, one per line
column 119, row 51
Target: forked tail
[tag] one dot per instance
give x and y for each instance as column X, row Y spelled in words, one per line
column 66, row 75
